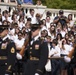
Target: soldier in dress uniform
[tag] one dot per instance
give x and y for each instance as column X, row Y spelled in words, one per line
column 37, row 54
column 72, row 64
column 71, row 60
column 7, row 52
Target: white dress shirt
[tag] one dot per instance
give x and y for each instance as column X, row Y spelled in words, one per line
column 55, row 52
column 19, row 43
column 68, row 48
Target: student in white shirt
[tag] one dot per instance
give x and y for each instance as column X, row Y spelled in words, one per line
column 55, row 52
column 13, row 31
column 43, row 27
column 48, row 21
column 48, row 65
column 52, row 31
column 21, row 22
column 19, row 42
column 32, row 16
column 65, row 50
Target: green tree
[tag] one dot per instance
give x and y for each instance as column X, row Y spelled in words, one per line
column 59, row 4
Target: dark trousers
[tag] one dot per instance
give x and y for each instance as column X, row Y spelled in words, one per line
column 2, row 69
column 70, row 69
column 55, row 66
column 30, row 67
column 47, row 73
column 18, row 67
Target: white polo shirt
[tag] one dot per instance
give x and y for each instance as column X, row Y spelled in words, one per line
column 68, row 48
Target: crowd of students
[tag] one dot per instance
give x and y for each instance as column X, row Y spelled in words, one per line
column 59, row 33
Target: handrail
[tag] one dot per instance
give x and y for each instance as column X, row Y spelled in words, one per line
column 7, row 4
column 57, row 10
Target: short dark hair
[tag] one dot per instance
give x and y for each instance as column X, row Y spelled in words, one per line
column 28, row 19
column 48, row 13
column 31, row 10
column 61, row 12
column 20, row 33
column 3, row 27
column 55, row 41
column 35, row 27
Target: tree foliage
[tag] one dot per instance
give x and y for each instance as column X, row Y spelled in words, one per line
column 59, row 4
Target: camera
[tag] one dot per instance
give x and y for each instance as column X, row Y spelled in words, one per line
column 62, row 17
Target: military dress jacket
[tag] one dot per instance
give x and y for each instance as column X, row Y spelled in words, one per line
column 7, row 56
column 37, row 55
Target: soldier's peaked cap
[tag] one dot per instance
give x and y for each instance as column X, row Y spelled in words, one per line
column 35, row 27
column 3, row 27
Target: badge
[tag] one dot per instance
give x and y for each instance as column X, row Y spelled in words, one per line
column 30, row 52
column 36, row 47
column 12, row 50
column 30, row 47
column 4, row 45
column 9, row 67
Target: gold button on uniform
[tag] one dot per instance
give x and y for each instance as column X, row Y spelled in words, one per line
column 5, row 63
column 30, row 52
column 30, row 56
column 30, row 47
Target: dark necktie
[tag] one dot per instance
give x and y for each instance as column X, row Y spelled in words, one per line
column 0, row 39
column 32, row 40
